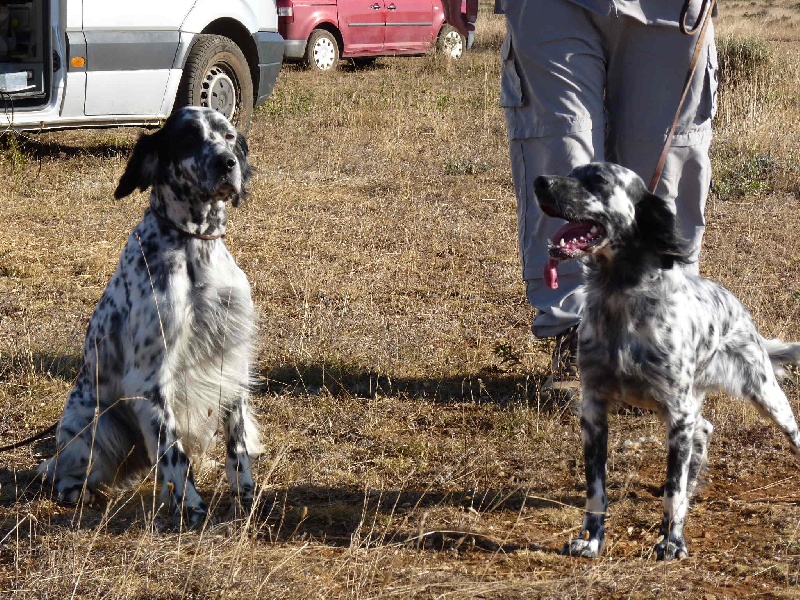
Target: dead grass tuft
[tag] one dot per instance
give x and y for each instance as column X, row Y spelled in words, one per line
column 742, row 59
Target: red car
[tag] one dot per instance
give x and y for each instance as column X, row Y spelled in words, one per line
column 320, row 32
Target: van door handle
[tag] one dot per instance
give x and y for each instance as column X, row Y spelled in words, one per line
column 375, row 7
column 392, row 7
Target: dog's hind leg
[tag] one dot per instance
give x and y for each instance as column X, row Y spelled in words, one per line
column 755, row 372
column 594, row 430
column 702, row 432
column 681, row 440
column 241, row 442
column 81, row 463
column 772, row 403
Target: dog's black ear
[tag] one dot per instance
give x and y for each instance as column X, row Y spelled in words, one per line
column 658, row 230
column 141, row 169
column 241, row 150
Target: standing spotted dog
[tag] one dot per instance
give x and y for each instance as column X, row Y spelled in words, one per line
column 652, row 336
column 169, row 348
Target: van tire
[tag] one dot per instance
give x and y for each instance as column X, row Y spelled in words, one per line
column 216, row 75
column 451, row 43
column 322, row 51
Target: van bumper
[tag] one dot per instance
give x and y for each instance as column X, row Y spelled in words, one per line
column 294, row 49
column 270, row 57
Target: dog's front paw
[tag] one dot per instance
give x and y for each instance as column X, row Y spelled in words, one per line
column 197, row 515
column 186, row 503
column 245, row 493
column 586, row 548
column 70, row 491
column 671, row 549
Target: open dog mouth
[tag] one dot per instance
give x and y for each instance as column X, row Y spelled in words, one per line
column 573, row 240
column 224, row 190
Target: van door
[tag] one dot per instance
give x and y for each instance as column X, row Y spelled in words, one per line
column 130, row 49
column 73, row 78
column 409, row 25
column 363, row 25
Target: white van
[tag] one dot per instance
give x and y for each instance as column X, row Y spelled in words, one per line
column 86, row 63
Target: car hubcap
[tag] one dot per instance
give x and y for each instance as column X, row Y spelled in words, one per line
column 219, row 92
column 453, row 45
column 324, row 54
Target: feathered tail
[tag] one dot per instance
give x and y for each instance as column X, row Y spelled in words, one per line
column 782, row 353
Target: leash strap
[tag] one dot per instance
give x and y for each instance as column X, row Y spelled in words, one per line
column 30, row 440
column 705, row 18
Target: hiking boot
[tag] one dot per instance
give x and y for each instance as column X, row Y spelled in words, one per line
column 563, row 388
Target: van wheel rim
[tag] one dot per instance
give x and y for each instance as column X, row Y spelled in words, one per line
column 324, row 54
column 219, row 92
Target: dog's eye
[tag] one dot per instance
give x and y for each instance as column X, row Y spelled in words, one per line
column 231, row 137
column 598, row 179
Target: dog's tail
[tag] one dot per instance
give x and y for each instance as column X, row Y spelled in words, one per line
column 782, row 353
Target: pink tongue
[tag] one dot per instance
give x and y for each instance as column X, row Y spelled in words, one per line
column 551, row 273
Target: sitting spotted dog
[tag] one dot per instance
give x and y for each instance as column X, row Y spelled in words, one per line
column 168, row 352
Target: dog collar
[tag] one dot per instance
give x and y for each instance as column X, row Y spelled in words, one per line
column 174, row 227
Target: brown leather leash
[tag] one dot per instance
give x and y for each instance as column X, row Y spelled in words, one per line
column 703, row 19
column 30, row 440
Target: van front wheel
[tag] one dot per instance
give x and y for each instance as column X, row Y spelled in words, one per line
column 216, row 75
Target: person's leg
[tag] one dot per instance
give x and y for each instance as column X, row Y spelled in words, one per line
column 647, row 72
column 556, row 309
column 552, row 91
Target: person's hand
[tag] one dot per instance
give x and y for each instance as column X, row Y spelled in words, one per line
column 463, row 23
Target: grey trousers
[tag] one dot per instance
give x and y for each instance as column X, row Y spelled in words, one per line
column 579, row 87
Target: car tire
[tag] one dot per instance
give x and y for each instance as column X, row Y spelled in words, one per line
column 216, row 75
column 451, row 43
column 322, row 51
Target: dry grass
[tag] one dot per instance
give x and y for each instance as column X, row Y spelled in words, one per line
column 406, row 452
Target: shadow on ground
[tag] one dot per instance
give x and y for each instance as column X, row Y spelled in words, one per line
column 50, row 364
column 333, row 516
column 44, row 147
column 492, row 385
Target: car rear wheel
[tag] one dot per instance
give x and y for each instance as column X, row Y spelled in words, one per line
column 451, row 43
column 322, row 51
column 216, row 75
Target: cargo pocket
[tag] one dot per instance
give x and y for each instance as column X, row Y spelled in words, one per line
column 695, row 126
column 510, row 84
column 708, row 105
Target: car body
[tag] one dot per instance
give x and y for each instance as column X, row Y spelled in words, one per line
column 319, row 32
column 101, row 63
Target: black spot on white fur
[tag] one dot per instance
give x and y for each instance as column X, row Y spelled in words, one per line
column 169, row 348
column 655, row 337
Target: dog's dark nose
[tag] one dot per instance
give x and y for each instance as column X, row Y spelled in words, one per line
column 228, row 162
column 542, row 183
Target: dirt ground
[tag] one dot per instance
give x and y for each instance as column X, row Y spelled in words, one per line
column 407, row 451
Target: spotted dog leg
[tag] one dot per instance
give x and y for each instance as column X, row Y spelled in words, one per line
column 680, row 441
column 594, row 430
column 702, row 433
column 772, row 403
column 157, row 423
column 79, row 464
column 241, row 443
